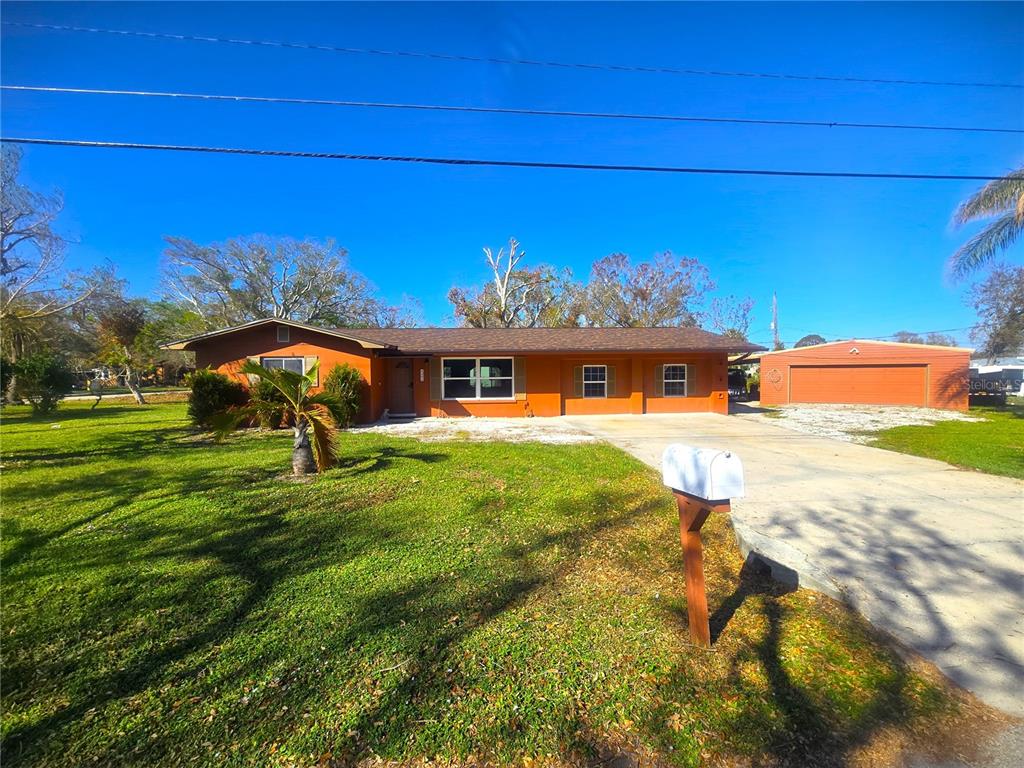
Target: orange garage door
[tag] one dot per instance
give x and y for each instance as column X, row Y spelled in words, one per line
column 880, row 384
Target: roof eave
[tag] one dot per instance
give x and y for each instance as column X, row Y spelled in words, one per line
column 188, row 344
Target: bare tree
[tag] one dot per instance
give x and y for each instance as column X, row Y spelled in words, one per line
column 249, row 278
column 34, row 287
column 999, row 300
column 731, row 316
column 517, row 296
column 933, row 338
column 662, row 292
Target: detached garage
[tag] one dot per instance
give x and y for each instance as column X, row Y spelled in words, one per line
column 864, row 372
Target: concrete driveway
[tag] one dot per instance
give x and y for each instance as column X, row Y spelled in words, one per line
column 932, row 554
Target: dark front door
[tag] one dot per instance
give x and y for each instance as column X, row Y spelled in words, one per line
column 400, row 387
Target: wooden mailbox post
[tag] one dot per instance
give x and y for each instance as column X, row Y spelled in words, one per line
column 703, row 481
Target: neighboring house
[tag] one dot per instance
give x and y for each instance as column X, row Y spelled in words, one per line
column 867, row 372
column 494, row 372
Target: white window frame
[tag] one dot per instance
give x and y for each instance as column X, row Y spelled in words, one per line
column 603, row 383
column 476, row 376
column 284, row 334
column 685, row 380
column 302, row 360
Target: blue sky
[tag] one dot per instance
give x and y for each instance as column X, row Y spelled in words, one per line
column 846, row 257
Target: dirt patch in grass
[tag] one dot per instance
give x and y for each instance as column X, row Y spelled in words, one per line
column 856, row 423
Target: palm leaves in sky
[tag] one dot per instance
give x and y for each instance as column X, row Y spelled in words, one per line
column 1003, row 202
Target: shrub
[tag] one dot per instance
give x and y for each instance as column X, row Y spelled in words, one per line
column 269, row 404
column 43, row 380
column 346, row 383
column 5, row 376
column 211, row 394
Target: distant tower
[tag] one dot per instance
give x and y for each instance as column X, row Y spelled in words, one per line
column 776, row 344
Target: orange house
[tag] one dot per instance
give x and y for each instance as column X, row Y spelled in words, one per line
column 867, row 372
column 494, row 371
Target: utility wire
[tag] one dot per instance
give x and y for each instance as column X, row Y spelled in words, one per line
column 499, row 60
column 500, row 110
column 492, row 163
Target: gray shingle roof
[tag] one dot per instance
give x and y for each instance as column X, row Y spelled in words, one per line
column 524, row 340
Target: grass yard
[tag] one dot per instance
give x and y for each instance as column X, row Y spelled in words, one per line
column 995, row 445
column 171, row 601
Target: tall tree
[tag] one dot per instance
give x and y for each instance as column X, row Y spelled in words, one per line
column 730, row 316
column 517, row 296
column 908, row 337
column 1003, row 202
column 662, row 292
column 249, row 278
column 933, row 338
column 120, row 329
column 999, row 301
column 809, row 340
column 35, row 289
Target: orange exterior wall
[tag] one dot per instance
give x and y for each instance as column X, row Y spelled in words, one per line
column 945, row 374
column 549, row 378
column 549, row 388
column 228, row 353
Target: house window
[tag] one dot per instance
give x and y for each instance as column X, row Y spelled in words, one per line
column 284, row 333
column 480, row 378
column 674, row 379
column 595, row 381
column 294, row 364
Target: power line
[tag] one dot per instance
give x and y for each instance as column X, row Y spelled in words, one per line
column 501, row 110
column 492, row 163
column 499, row 60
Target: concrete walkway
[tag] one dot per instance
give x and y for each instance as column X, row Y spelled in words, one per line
column 932, row 554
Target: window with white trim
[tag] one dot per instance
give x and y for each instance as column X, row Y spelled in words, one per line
column 674, row 380
column 476, row 378
column 294, row 364
column 595, row 381
column 284, row 333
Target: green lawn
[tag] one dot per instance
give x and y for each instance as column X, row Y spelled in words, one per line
column 170, row 601
column 995, row 445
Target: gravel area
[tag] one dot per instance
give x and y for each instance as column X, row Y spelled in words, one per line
column 542, row 430
column 853, row 423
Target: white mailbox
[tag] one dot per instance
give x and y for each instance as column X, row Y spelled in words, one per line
column 706, row 473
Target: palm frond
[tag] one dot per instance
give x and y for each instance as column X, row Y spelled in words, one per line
column 226, row 422
column 331, row 402
column 996, row 197
column 324, row 435
column 987, row 244
column 288, row 383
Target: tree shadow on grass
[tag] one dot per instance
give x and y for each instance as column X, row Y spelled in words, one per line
column 377, row 459
column 246, row 557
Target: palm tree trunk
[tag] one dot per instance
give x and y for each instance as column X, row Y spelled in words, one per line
column 302, row 451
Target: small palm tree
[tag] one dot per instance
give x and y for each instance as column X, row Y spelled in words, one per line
column 1002, row 198
column 314, row 417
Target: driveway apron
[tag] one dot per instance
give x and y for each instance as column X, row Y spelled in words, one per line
column 932, row 554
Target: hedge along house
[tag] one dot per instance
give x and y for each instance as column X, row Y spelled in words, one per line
column 494, row 371
column 867, row 372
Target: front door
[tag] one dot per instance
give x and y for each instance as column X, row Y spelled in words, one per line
column 400, row 387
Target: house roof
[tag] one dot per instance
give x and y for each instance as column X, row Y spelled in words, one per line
column 520, row 340
column 430, row 341
column 191, row 341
